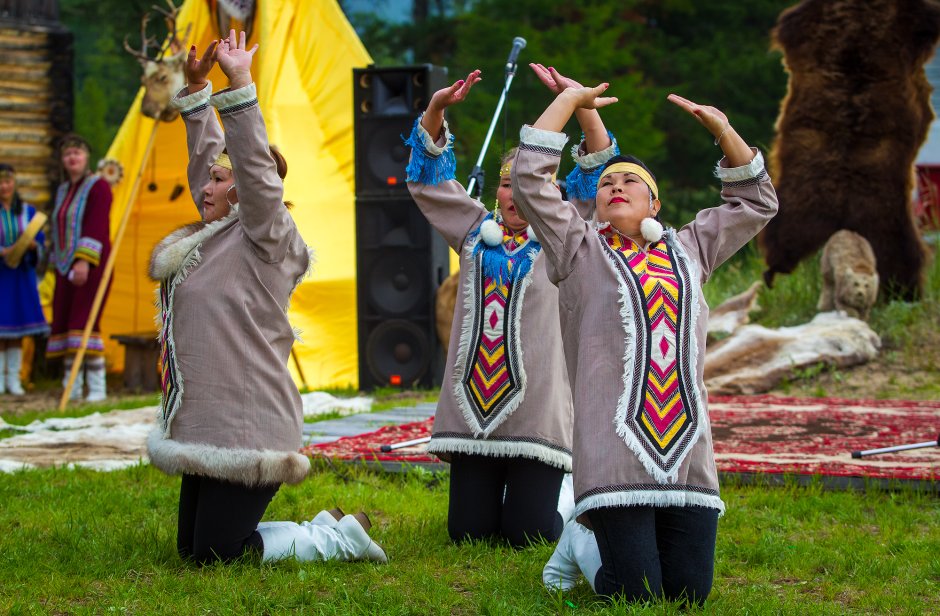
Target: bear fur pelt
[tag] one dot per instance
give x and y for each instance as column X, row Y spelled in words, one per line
column 856, row 112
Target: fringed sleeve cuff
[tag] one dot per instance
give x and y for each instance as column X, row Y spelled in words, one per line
column 430, row 163
column 191, row 104
column 88, row 249
column 229, row 101
column 581, row 183
column 750, row 173
column 545, row 141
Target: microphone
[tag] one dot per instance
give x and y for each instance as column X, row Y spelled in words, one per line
column 518, row 44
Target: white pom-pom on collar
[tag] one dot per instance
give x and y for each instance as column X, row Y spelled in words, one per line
column 651, row 229
column 491, row 232
column 530, row 232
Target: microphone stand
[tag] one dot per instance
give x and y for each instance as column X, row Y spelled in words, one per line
column 476, row 175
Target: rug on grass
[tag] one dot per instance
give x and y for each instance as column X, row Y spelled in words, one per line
column 755, row 435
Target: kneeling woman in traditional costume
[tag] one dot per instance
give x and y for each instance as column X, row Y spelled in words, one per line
column 634, row 321
column 231, row 420
column 503, row 419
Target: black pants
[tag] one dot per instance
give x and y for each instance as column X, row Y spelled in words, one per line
column 671, row 548
column 512, row 498
column 218, row 520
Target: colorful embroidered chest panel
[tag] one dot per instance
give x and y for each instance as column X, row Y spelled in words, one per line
column 489, row 371
column 67, row 220
column 658, row 417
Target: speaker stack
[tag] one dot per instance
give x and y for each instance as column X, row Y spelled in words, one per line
column 400, row 259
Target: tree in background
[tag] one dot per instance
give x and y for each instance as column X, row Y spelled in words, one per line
column 716, row 53
column 106, row 77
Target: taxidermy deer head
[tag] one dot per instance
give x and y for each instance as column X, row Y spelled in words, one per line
column 163, row 74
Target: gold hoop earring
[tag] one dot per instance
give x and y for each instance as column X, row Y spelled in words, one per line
column 227, row 200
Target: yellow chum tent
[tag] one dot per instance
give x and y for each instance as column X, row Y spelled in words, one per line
column 303, row 72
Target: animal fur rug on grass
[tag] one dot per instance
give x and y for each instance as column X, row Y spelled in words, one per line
column 857, row 111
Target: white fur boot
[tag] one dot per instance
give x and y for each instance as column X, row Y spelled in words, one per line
column 76, row 394
column 96, row 378
column 576, row 553
column 346, row 540
column 566, row 499
column 14, row 361
column 3, row 371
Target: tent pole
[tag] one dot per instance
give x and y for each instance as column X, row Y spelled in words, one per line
column 108, row 270
column 300, row 370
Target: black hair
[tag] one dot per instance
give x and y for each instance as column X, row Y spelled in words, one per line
column 16, row 205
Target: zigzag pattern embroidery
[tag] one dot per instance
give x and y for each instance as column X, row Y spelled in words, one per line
column 663, row 417
column 489, row 376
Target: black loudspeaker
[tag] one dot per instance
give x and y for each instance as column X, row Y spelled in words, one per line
column 400, row 259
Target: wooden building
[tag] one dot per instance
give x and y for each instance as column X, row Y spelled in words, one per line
column 35, row 94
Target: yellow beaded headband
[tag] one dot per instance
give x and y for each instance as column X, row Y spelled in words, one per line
column 636, row 170
column 223, row 161
column 6, row 174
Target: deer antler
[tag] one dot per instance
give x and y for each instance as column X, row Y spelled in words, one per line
column 144, row 41
column 172, row 40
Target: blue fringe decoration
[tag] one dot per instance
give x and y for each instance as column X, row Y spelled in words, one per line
column 495, row 262
column 581, row 184
column 424, row 168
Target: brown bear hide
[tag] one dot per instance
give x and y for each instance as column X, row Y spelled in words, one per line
column 856, row 112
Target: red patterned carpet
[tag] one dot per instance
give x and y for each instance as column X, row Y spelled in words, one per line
column 757, row 435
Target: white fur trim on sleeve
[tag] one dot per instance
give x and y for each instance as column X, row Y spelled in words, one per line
column 226, row 99
column 746, row 172
column 544, row 138
column 590, row 160
column 188, row 102
column 430, row 145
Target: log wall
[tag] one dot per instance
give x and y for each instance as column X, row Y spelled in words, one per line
column 35, row 95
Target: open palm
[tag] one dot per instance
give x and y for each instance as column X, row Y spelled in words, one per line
column 455, row 93
column 234, row 59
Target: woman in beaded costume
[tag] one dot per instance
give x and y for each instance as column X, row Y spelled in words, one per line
column 503, row 419
column 633, row 321
column 20, row 311
column 81, row 243
column 231, row 418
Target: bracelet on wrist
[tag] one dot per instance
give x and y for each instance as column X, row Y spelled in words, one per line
column 723, row 129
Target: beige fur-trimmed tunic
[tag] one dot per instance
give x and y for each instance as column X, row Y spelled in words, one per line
column 535, row 420
column 607, row 335
column 230, row 409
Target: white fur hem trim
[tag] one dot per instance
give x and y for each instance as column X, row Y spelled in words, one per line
column 251, row 467
column 746, row 172
column 590, row 160
column 544, row 138
column 502, row 449
column 430, row 145
column 653, row 498
column 191, row 101
column 224, row 99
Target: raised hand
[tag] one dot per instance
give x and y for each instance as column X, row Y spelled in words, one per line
column 455, row 93
column 711, row 118
column 589, row 98
column 737, row 152
column 433, row 119
column 235, row 60
column 553, row 80
column 196, row 70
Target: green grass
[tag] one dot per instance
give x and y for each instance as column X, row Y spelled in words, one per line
column 82, row 542
column 80, row 409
